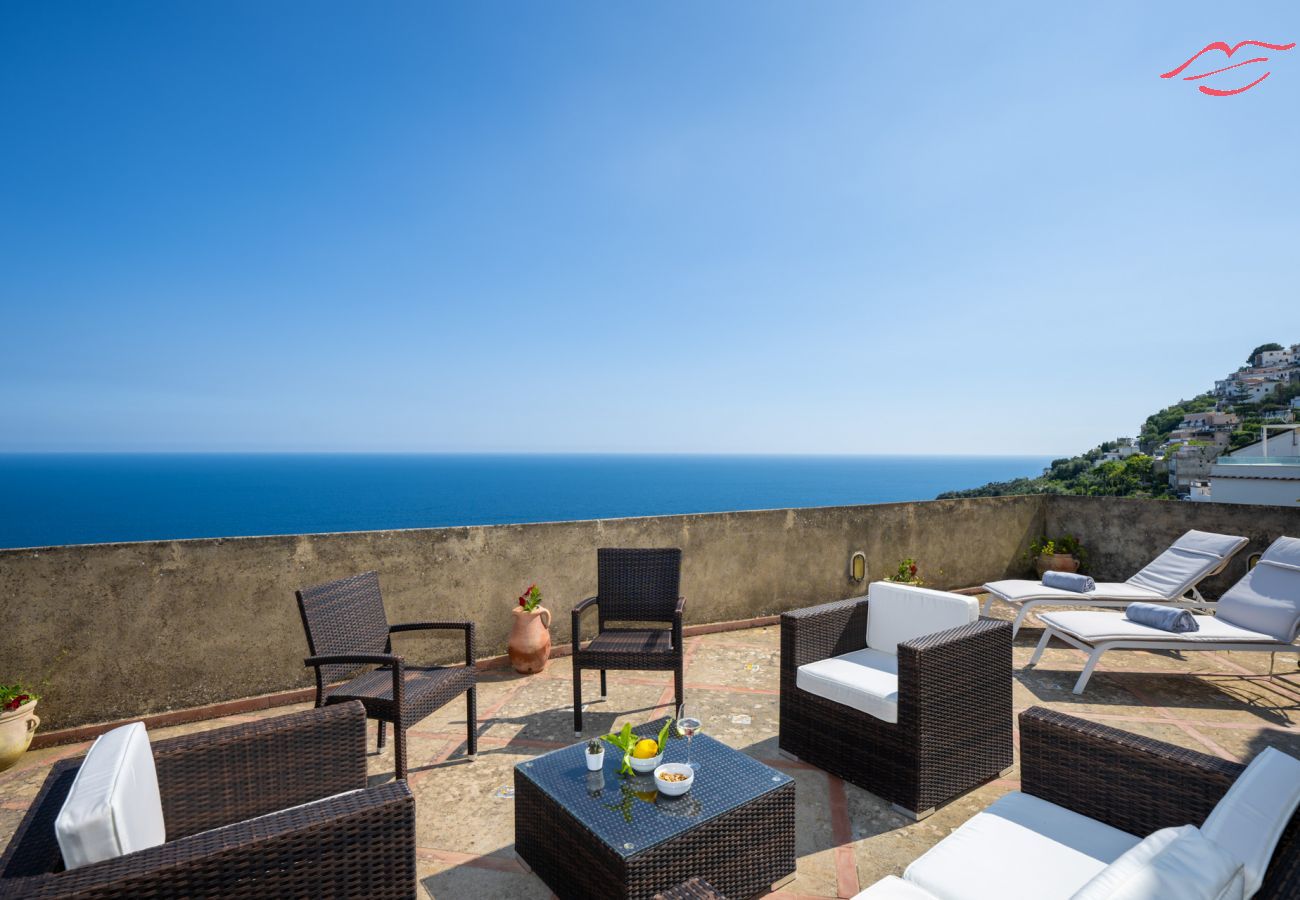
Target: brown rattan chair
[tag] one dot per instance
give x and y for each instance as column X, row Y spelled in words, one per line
column 347, row 630
column 954, row 708
column 1137, row 784
column 360, row 844
column 632, row 586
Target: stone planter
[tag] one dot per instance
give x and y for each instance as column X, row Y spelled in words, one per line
column 16, row 729
column 530, row 640
column 1057, row 562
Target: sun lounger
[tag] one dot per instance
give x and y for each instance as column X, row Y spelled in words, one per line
column 1171, row 578
column 1260, row 613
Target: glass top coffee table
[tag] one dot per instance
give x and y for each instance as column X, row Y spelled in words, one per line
column 601, row 834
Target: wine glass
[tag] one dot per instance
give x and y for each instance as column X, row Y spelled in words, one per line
column 688, row 722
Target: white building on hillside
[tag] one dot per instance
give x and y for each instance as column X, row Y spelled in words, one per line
column 1272, row 357
column 1266, row 472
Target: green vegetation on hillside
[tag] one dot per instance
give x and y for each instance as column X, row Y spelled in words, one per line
column 1138, row 475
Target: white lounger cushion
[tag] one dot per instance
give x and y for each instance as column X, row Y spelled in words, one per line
column 1249, row 819
column 113, row 806
column 891, row 887
column 1019, row 848
column 899, row 612
column 1268, row 598
column 1167, row 577
column 1192, row 557
column 1170, row 863
column 1018, row 591
column 866, row 680
column 1093, row 626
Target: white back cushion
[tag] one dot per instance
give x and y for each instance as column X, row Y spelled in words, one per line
column 113, row 806
column 900, row 612
column 1188, row 561
column 1171, row 863
column 1267, row 600
column 1250, row 817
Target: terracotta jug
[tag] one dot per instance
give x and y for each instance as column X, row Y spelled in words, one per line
column 530, row 640
column 16, row 729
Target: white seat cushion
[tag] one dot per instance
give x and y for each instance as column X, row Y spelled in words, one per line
column 1267, row 599
column 1020, row 848
column 1191, row 558
column 866, row 680
column 113, row 806
column 1249, row 819
column 891, row 887
column 1172, row 862
column 1018, row 591
column 1092, row 626
column 900, row 612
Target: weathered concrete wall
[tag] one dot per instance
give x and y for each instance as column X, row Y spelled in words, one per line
column 115, row 630
column 1124, row 535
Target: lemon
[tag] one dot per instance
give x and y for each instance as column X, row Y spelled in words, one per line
column 646, row 748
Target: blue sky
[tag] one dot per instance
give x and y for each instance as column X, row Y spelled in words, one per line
column 723, row 227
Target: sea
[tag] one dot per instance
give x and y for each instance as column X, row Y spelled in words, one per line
column 49, row 499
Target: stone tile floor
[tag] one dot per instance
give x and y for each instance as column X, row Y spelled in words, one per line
column 1221, row 703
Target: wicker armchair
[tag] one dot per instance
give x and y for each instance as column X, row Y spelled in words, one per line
column 1137, row 784
column 358, row 845
column 632, row 585
column 954, row 708
column 347, row 631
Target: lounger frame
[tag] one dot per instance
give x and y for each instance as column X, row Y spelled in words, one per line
column 1095, row 651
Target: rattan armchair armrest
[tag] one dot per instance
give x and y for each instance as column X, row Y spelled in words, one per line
column 1133, row 783
column 820, row 632
column 577, row 619
column 467, row 627
column 355, row 659
column 364, row 840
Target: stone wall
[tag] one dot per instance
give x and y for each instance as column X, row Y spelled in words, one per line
column 110, row 631
column 1124, row 535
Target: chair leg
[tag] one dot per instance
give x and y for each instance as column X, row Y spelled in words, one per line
column 1093, row 659
column 677, row 685
column 471, row 721
column 399, row 750
column 988, row 604
column 603, row 689
column 577, row 702
column 1038, row 652
column 382, row 728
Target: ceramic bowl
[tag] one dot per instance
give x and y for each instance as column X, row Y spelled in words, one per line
column 674, row 788
column 645, row 766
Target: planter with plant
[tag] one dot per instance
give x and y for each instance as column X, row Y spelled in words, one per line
column 530, row 637
column 906, row 574
column 1062, row 554
column 595, row 755
column 18, row 721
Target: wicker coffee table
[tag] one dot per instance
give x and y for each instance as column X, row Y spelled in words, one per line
column 603, row 835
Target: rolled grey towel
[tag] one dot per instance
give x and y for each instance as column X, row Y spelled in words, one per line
column 1069, row 581
column 1166, row 618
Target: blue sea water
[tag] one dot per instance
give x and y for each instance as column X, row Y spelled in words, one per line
column 52, row 499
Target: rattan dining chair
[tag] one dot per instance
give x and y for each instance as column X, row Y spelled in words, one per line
column 632, row 586
column 348, row 631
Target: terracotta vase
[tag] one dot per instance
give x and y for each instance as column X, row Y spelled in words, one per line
column 16, row 729
column 1057, row 562
column 530, row 640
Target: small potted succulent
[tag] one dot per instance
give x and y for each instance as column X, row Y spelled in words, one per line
column 18, row 721
column 530, row 637
column 906, row 573
column 595, row 755
column 1062, row 554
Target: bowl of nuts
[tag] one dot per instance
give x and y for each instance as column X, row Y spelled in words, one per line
column 674, row 779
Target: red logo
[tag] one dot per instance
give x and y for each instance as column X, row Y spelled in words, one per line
column 1228, row 51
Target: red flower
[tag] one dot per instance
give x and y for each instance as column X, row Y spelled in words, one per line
column 523, row 602
column 912, row 569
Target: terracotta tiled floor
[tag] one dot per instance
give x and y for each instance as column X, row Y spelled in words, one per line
column 1219, row 703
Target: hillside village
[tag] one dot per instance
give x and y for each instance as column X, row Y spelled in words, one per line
column 1238, row 443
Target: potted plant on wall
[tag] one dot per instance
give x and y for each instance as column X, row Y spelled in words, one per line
column 530, row 637
column 907, row 573
column 1062, row 554
column 18, row 721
